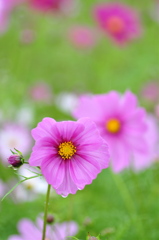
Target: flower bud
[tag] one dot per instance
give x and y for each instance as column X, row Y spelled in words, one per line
column 50, row 219
column 15, row 161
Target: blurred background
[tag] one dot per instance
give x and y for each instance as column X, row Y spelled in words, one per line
column 50, row 53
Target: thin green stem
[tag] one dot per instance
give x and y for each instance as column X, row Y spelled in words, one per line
column 45, row 211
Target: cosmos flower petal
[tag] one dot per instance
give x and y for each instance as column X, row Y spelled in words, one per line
column 120, row 158
column 79, row 174
column 100, row 157
column 65, row 229
column 93, row 140
column 69, row 129
column 123, row 125
column 15, row 237
column 26, row 228
column 59, row 160
column 43, row 129
column 57, row 169
column 67, row 186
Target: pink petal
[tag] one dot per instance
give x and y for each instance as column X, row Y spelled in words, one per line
column 54, row 171
column 43, row 129
column 68, row 185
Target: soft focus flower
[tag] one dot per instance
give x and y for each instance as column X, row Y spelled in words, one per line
column 41, row 92
column 141, row 161
column 122, row 124
column 66, row 101
column 49, row 5
column 30, row 231
column 14, row 136
column 118, row 21
column 35, row 185
column 150, row 91
column 82, row 37
column 70, row 154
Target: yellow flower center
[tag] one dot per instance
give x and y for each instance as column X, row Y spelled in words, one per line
column 115, row 24
column 66, row 150
column 113, row 125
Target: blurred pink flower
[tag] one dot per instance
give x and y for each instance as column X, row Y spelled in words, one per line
column 70, row 154
column 82, row 37
column 41, row 92
column 150, row 91
column 14, row 136
column 122, row 124
column 141, row 161
column 118, row 21
column 30, row 231
column 49, row 5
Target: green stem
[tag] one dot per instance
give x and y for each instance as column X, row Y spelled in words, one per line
column 45, row 211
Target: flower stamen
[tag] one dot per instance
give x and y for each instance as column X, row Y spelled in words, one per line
column 115, row 24
column 113, row 125
column 66, row 150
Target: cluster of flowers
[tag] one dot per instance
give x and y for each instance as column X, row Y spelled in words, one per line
column 110, row 128
column 70, row 154
column 58, row 231
column 118, row 21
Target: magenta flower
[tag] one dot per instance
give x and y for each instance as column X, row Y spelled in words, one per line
column 150, row 91
column 49, row 5
column 70, row 154
column 118, row 21
column 82, row 37
column 122, row 124
column 14, row 136
column 30, row 231
column 41, row 92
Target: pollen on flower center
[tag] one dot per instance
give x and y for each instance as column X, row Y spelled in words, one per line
column 66, row 150
column 115, row 24
column 113, row 125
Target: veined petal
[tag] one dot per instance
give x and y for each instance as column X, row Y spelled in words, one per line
column 43, row 128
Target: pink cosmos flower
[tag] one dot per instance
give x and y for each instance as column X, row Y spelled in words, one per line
column 30, row 231
column 70, row 154
column 82, row 37
column 14, row 136
column 118, row 21
column 41, row 92
column 49, row 5
column 150, row 91
column 122, row 124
